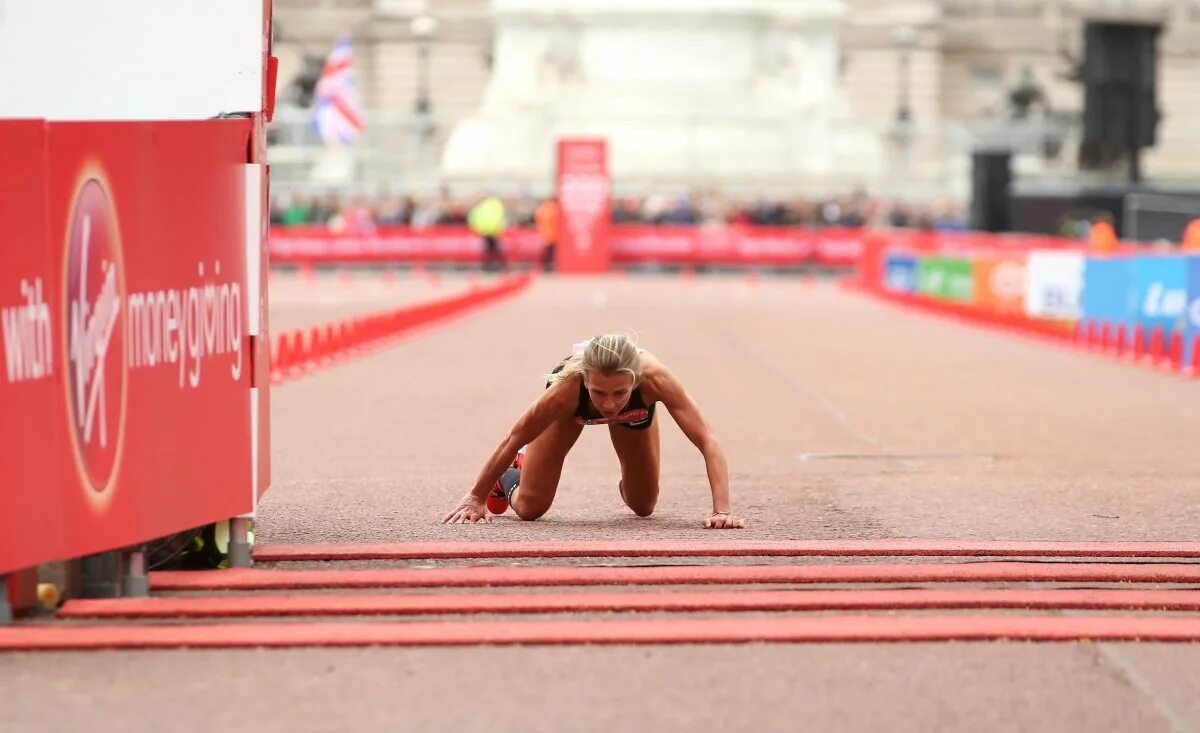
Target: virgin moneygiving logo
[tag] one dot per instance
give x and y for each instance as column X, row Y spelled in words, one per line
column 95, row 335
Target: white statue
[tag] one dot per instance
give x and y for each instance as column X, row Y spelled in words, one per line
column 685, row 91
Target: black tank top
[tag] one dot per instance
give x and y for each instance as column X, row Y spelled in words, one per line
column 637, row 415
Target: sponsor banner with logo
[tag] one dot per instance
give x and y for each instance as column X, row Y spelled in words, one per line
column 448, row 244
column 584, row 191
column 1160, row 292
column 945, row 278
column 1108, row 294
column 1000, row 284
column 1193, row 312
column 668, row 245
column 32, row 426
column 837, row 247
column 715, row 245
column 900, row 272
column 133, row 390
column 1053, row 284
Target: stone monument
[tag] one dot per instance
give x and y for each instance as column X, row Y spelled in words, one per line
column 686, row 92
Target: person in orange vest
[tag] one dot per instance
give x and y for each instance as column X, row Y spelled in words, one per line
column 546, row 219
column 1191, row 237
column 1103, row 237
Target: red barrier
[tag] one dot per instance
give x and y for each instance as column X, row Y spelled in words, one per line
column 1174, row 360
column 1060, row 331
column 1157, row 346
column 1085, row 335
column 1137, row 346
column 445, row 244
column 127, row 348
column 338, row 340
column 731, row 245
column 1193, row 369
column 1117, row 348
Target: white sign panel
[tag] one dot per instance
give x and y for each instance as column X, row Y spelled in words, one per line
column 130, row 59
column 1054, row 284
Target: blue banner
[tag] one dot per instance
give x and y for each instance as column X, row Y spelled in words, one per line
column 1193, row 313
column 1160, row 286
column 900, row 273
column 1108, row 293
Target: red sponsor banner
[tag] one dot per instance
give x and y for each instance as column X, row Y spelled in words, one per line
column 443, row 244
column 32, row 427
column 965, row 243
column 584, row 190
column 737, row 245
column 733, row 245
column 140, row 425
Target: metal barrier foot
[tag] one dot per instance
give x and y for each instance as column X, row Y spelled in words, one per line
column 6, row 615
column 239, row 543
column 134, row 582
column 101, row 575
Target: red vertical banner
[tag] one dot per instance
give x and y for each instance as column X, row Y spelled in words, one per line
column 584, row 190
column 32, row 432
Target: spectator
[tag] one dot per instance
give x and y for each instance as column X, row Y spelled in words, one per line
column 1103, row 237
column 487, row 220
column 547, row 221
column 355, row 217
column 295, row 213
column 702, row 206
column 1191, row 237
column 426, row 214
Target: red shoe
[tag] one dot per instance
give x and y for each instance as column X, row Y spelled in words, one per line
column 497, row 499
column 496, row 503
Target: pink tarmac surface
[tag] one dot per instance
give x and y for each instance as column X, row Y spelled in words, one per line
column 846, row 421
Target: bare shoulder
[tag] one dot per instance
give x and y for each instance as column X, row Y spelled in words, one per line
column 562, row 396
column 555, row 403
column 658, row 382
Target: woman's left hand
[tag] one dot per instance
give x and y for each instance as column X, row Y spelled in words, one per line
column 724, row 520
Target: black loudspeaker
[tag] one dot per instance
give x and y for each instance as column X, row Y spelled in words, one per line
column 990, row 178
column 1120, row 71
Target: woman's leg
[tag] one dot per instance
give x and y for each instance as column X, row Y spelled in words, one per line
column 638, row 452
column 543, row 466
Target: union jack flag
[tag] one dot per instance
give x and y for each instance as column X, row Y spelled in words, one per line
column 337, row 111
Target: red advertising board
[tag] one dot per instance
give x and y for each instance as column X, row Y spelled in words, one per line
column 441, row 244
column 32, row 429
column 138, row 423
column 736, row 245
column 585, row 202
column 717, row 245
column 685, row 245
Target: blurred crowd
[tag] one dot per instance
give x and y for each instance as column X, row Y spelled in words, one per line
column 850, row 210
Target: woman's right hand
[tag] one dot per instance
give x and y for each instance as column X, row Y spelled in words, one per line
column 469, row 511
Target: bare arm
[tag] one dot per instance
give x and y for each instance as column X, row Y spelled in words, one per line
column 690, row 420
column 551, row 405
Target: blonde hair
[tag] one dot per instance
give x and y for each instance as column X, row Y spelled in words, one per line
column 608, row 353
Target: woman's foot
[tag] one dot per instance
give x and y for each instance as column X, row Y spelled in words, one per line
column 500, row 496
